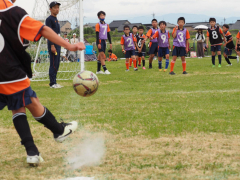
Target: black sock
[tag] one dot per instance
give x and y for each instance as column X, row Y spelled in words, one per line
column 228, row 60
column 232, row 57
column 98, row 66
column 220, row 59
column 104, row 67
column 143, row 61
column 213, row 60
column 150, row 65
column 50, row 122
column 21, row 125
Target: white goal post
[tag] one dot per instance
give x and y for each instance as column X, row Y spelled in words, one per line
column 70, row 18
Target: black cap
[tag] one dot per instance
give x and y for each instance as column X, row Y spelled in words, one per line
column 52, row 4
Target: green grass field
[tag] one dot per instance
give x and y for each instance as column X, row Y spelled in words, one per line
column 155, row 126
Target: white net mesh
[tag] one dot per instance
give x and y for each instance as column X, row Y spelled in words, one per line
column 69, row 20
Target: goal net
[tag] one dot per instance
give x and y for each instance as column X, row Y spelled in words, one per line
column 69, row 21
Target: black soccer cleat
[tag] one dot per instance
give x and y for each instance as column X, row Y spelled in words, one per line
column 172, row 73
column 184, row 72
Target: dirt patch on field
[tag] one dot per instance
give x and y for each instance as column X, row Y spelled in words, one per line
column 189, row 156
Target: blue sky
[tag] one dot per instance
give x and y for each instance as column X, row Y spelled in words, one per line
column 136, row 10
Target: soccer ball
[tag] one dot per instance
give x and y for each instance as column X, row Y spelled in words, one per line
column 85, row 83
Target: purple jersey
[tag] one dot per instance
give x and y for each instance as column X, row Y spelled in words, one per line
column 180, row 39
column 153, row 32
column 103, row 31
column 128, row 42
column 163, row 39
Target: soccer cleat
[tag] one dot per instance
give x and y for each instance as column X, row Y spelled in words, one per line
column 60, row 86
column 107, row 72
column 229, row 65
column 34, row 160
column 237, row 59
column 99, row 72
column 172, row 73
column 219, row 65
column 160, row 70
column 139, row 65
column 55, row 86
column 184, row 72
column 165, row 70
column 127, row 70
column 135, row 69
column 69, row 128
column 130, row 66
column 213, row 66
column 143, row 68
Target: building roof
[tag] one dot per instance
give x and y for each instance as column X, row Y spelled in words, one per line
column 170, row 25
column 117, row 23
column 62, row 23
column 90, row 24
column 120, row 28
column 235, row 26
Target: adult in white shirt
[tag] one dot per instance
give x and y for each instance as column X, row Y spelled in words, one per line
column 200, row 40
column 74, row 40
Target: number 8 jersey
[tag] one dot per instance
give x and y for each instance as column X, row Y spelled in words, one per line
column 215, row 36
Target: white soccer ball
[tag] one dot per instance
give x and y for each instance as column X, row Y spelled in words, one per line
column 85, row 83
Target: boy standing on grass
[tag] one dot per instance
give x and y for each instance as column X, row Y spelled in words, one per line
column 180, row 44
column 163, row 37
column 141, row 46
column 135, row 34
column 153, row 43
column 237, row 48
column 128, row 47
column 102, row 34
column 214, row 35
column 229, row 46
column 16, row 27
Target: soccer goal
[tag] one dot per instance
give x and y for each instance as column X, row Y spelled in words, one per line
column 70, row 17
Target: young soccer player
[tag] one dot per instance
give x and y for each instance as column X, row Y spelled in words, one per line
column 141, row 46
column 135, row 34
column 15, row 70
column 153, row 43
column 102, row 34
column 229, row 46
column 180, row 44
column 128, row 47
column 112, row 57
column 163, row 37
column 237, row 48
column 214, row 35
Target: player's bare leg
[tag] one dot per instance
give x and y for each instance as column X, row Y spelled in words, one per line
column 219, row 58
column 167, row 62
column 160, row 63
column 172, row 65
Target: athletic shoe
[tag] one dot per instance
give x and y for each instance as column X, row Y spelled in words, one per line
column 143, row 68
column 130, row 66
column 229, row 65
column 160, row 70
column 107, row 72
column 135, row 69
column 237, row 59
column 139, row 65
column 184, row 72
column 55, row 86
column 172, row 73
column 60, row 86
column 219, row 65
column 69, row 128
column 99, row 72
column 213, row 66
column 127, row 70
column 34, row 160
column 165, row 70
